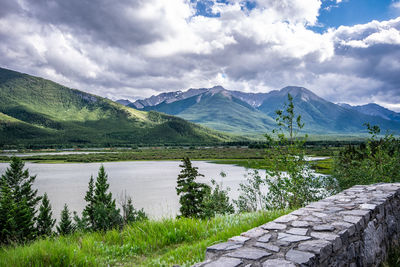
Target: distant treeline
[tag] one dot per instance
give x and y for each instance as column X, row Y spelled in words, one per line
column 249, row 144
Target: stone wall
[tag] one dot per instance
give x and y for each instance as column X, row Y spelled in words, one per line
column 353, row 228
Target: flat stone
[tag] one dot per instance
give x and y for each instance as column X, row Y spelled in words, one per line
column 300, row 212
column 299, row 257
column 319, row 205
column 267, row 246
column 325, row 236
column 319, row 214
column 335, row 239
column 278, row 263
column 286, row 218
column 292, row 238
column 321, row 247
column 224, row 262
column 311, row 219
column 368, row 206
column 254, row 233
column 281, row 243
column 323, row 227
column 352, row 219
column 347, row 226
column 356, row 212
column 300, row 224
column 264, row 238
column 273, row 226
column 239, row 239
column 249, row 254
column 297, row 231
column 224, row 246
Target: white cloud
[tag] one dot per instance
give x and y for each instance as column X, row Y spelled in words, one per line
column 138, row 48
column 396, row 5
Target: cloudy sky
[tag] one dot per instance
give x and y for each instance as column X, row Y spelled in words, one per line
column 343, row 50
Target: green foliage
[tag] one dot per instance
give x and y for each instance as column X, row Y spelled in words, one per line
column 290, row 180
column 65, row 227
column 374, row 162
column 217, row 201
column 17, row 189
column 145, row 243
column 88, row 211
column 251, row 196
column 100, row 213
column 191, row 193
column 130, row 214
column 45, row 222
column 7, row 218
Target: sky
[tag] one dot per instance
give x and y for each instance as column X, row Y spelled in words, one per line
column 343, row 50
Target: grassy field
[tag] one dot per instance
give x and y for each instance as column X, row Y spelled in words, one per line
column 240, row 156
column 150, row 243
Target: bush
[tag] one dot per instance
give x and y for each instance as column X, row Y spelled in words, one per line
column 217, row 201
column 376, row 161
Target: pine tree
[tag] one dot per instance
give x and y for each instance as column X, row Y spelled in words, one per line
column 191, row 193
column 88, row 212
column 65, row 226
column 25, row 199
column 7, row 215
column 45, row 222
column 130, row 214
column 105, row 213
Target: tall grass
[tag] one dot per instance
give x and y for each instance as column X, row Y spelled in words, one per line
column 150, row 243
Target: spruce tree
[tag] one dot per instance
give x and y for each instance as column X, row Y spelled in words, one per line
column 7, row 215
column 25, row 199
column 45, row 222
column 130, row 214
column 105, row 214
column 65, row 226
column 88, row 212
column 191, row 193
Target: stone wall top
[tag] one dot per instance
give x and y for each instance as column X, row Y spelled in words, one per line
column 352, row 228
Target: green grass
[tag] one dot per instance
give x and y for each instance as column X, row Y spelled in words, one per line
column 324, row 166
column 150, row 243
column 150, row 154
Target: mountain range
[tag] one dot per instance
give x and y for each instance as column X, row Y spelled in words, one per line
column 374, row 110
column 35, row 111
column 254, row 113
column 38, row 112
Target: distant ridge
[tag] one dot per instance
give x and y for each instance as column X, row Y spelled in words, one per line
column 254, row 113
column 373, row 109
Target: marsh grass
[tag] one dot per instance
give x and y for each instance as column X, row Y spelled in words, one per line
column 150, row 243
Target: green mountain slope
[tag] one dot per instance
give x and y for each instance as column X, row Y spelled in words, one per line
column 321, row 116
column 41, row 112
column 219, row 110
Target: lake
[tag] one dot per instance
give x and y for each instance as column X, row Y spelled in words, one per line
column 151, row 184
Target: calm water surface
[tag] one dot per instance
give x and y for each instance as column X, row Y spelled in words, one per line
column 151, row 184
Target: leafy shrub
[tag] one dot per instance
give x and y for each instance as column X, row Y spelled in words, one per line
column 378, row 160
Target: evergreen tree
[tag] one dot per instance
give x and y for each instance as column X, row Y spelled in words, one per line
column 45, row 222
column 105, row 213
column 88, row 212
column 130, row 214
column 24, row 197
column 7, row 215
column 191, row 193
column 65, row 226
